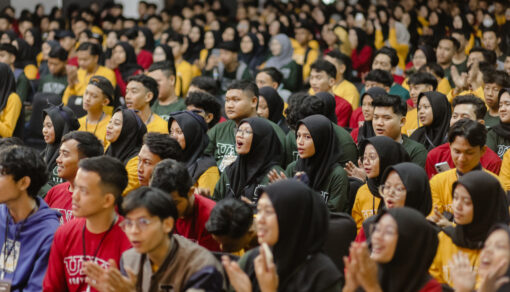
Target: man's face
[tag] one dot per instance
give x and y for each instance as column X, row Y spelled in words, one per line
column 227, row 57
column 7, row 58
column 154, row 25
column 464, row 156
column 86, row 61
column 68, row 159
column 56, row 66
column 165, row 84
column 137, row 96
column 445, row 52
column 67, row 43
column 320, row 81
column 463, row 111
column 490, row 92
column 383, row 62
column 490, row 40
column 416, row 89
column 386, row 122
column 263, row 79
column 146, row 163
column 369, row 84
column 238, row 105
column 475, row 57
column 302, row 36
column 88, row 198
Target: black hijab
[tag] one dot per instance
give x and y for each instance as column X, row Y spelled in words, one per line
column 274, row 103
column 149, row 39
column 246, row 172
column 130, row 139
column 168, row 52
column 490, row 206
column 501, row 128
column 194, row 129
column 25, row 56
column 326, row 157
column 389, row 152
column 130, row 65
column 300, row 263
column 194, row 48
column 329, row 105
column 64, row 121
column 36, row 48
column 416, row 248
column 256, row 56
column 367, row 130
column 8, row 84
column 435, row 134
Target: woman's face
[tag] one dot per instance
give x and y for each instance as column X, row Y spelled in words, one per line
column 111, row 39
column 433, row 18
column 114, row 127
column 383, row 16
column 209, row 40
column 244, row 137
column 384, row 239
column 119, row 55
column 29, row 37
column 425, row 113
column 504, row 108
column 353, row 38
column 194, row 34
column 419, row 59
column 267, row 221
column 159, row 55
column 177, row 134
column 457, row 22
column 371, row 161
column 393, row 191
column 496, row 249
column 367, row 108
column 186, row 27
column 263, row 109
column 140, row 40
column 229, row 34
column 304, row 141
column 246, row 45
column 274, row 28
column 275, row 47
column 462, row 206
column 48, row 131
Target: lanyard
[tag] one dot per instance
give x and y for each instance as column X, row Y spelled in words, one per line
column 6, row 253
column 100, row 242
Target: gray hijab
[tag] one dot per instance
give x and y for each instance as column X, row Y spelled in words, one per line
column 285, row 56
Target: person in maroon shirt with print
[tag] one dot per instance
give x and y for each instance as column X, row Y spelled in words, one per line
column 194, row 210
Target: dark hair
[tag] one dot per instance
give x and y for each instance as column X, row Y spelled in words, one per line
column 154, row 16
column 94, row 49
column 489, row 56
column 166, row 67
column 274, row 73
column 88, row 144
column 423, row 78
column 245, row 86
column 163, row 146
column 473, row 131
column 131, row 33
column 174, row 37
column 111, row 171
column 388, row 100
column 148, row 82
column 323, row 65
column 380, row 76
column 455, row 42
column 170, row 175
column 10, row 141
column 306, row 105
column 21, row 161
column 464, row 32
column 155, row 201
column 230, row 217
column 343, row 59
column 501, row 78
column 390, row 52
column 434, row 67
column 208, row 103
column 205, row 83
column 59, row 53
column 480, row 108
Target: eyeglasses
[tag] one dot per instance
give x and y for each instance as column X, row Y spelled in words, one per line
column 371, row 157
column 140, row 223
column 396, row 192
column 243, row 132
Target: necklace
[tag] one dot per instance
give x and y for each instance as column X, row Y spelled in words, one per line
column 97, row 124
column 149, row 119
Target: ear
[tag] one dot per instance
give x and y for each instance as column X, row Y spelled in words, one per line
column 274, row 85
column 168, row 224
column 106, row 101
column 402, row 121
column 171, row 79
column 254, row 101
column 149, row 96
column 481, row 121
column 341, row 69
column 209, row 117
column 109, row 200
column 23, row 183
column 331, row 82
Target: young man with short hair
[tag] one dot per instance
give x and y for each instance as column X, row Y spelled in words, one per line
column 96, row 236
column 240, row 103
column 28, row 224
column 184, row 70
column 493, row 81
column 386, row 59
column 418, row 83
column 156, row 147
column 8, row 55
column 343, row 87
column 203, row 84
column 460, row 57
column 491, row 38
column 306, row 49
column 322, row 79
column 378, row 78
column 167, row 102
column 75, row 146
column 205, row 105
column 159, row 260
column 270, row 76
column 56, row 81
column 173, row 178
column 141, row 92
column 464, row 107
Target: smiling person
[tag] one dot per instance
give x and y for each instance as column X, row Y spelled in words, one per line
column 366, row 130
column 96, row 235
column 259, row 153
column 317, row 146
column 271, row 107
column 434, row 112
column 498, row 137
column 125, row 133
column 474, row 215
column 75, row 146
column 124, row 64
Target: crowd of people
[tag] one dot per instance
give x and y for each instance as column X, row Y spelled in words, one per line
column 256, row 146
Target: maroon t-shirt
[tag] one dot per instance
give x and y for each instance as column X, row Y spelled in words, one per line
column 343, row 111
column 59, row 198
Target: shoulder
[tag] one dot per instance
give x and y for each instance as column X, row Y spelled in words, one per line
column 444, row 176
column 196, row 254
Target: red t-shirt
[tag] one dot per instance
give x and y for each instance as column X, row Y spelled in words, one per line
column 432, row 286
column 59, row 198
column 356, row 117
column 193, row 227
column 490, row 160
column 66, row 255
column 343, row 111
column 144, row 59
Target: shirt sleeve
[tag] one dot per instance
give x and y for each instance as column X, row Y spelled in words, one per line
column 10, row 115
column 55, row 278
column 209, row 179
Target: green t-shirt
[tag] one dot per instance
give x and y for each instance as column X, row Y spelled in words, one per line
column 52, row 84
column 164, row 111
column 222, row 142
column 23, row 88
column 497, row 143
column 349, row 151
column 417, row 152
column 490, row 121
column 397, row 89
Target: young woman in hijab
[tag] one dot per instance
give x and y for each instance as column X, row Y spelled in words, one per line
column 361, row 55
column 366, row 130
column 498, row 137
column 271, row 107
column 145, row 47
column 434, row 112
column 33, row 38
column 211, row 40
column 163, row 52
column 195, row 44
column 252, row 53
column 124, row 64
column 402, row 185
column 479, row 202
column 258, row 152
column 58, row 121
column 281, row 50
column 190, row 130
column 11, row 107
column 403, row 246
column 125, row 133
column 298, row 261
column 379, row 153
column 318, row 159
column 25, row 59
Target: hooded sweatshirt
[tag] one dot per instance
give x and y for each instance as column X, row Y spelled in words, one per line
column 26, row 264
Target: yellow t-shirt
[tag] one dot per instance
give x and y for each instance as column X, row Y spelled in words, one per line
column 444, row 86
column 365, row 205
column 132, row 171
column 299, row 56
column 477, row 92
column 185, row 73
column 158, row 124
column 504, row 173
column 83, row 80
column 10, row 115
column 349, row 92
column 99, row 129
column 412, row 122
column 208, row 179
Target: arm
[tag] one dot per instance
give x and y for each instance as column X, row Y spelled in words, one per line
column 132, row 170
column 504, row 174
column 55, row 279
column 338, row 191
column 379, row 40
column 209, row 179
column 22, row 87
column 219, row 190
column 10, row 115
column 36, row 277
